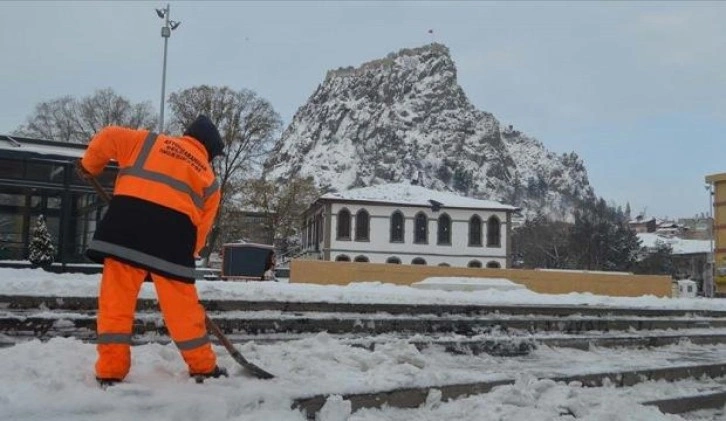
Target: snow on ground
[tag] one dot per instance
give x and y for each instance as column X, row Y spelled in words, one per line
column 54, row 380
column 40, row 283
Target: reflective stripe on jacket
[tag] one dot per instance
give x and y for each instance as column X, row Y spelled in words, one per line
column 164, row 204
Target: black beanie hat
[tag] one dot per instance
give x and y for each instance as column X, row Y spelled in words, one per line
column 206, row 132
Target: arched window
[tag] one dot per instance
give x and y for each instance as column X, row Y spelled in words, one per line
column 446, row 265
column 361, row 259
column 474, row 264
column 444, row 234
column 362, row 225
column 421, row 229
column 342, row 258
column 418, row 261
column 397, row 224
column 475, row 231
column 394, row 260
column 493, row 264
column 493, row 228
column 343, row 231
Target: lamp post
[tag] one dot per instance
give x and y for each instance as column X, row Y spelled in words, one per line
column 710, row 292
column 169, row 25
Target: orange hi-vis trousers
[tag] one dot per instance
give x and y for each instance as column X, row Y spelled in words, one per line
column 183, row 315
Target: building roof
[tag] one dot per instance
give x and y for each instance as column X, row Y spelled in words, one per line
column 414, row 195
column 641, row 220
column 23, row 146
column 679, row 245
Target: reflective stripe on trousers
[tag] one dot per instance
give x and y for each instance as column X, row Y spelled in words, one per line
column 179, row 303
column 114, row 338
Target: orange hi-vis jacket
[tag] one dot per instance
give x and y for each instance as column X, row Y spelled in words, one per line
column 165, row 200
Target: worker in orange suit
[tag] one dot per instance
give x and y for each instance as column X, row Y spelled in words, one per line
column 164, row 204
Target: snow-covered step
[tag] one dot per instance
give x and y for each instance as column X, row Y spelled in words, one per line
column 49, row 323
column 414, row 397
column 71, row 303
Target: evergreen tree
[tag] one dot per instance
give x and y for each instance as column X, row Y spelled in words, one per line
column 656, row 262
column 463, row 180
column 600, row 238
column 41, row 247
column 541, row 243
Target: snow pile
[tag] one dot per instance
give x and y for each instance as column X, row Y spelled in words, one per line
column 467, row 284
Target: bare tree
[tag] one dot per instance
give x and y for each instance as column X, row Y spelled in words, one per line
column 248, row 125
column 282, row 205
column 73, row 120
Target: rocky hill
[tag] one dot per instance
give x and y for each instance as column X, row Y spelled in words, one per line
column 406, row 117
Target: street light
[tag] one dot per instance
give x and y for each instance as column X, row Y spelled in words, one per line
column 169, row 26
column 711, row 256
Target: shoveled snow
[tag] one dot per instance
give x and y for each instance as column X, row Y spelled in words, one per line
column 54, row 380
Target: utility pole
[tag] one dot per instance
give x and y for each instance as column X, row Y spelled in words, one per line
column 709, row 278
column 169, row 25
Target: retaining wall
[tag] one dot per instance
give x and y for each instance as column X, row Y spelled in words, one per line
column 547, row 282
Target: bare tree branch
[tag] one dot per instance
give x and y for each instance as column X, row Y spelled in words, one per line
column 68, row 119
column 248, row 125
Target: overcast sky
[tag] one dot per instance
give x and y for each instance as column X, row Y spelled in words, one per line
column 637, row 89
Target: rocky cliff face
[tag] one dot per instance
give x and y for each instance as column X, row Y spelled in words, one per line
column 404, row 117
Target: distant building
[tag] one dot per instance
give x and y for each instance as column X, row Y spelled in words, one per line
column 698, row 228
column 641, row 224
column 38, row 177
column 408, row 224
column 689, row 256
column 670, row 228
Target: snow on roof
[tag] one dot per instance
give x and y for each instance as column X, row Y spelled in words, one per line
column 641, row 219
column 41, row 147
column 679, row 245
column 414, row 195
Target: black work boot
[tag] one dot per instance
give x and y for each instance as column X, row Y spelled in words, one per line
column 216, row 373
column 104, row 383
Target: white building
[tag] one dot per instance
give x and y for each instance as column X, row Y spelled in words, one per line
column 408, row 224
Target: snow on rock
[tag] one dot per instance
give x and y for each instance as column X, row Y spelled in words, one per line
column 393, row 118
